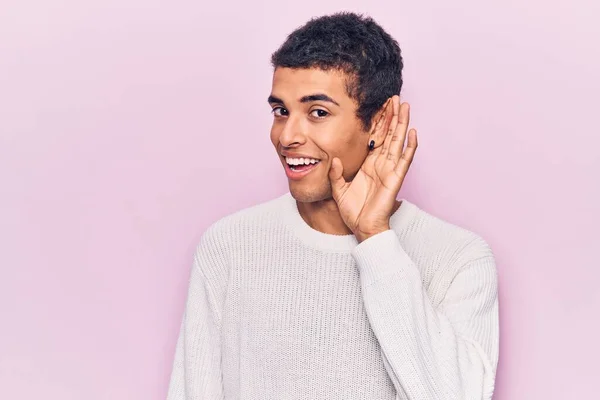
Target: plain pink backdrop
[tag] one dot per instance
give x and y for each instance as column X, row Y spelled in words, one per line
column 127, row 127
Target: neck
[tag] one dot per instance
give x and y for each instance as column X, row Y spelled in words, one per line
column 324, row 216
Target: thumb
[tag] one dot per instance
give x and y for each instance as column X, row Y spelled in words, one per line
column 335, row 176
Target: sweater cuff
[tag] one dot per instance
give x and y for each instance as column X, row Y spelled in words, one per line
column 380, row 256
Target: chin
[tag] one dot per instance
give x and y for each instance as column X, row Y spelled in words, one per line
column 310, row 194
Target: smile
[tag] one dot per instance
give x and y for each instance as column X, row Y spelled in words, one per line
column 297, row 168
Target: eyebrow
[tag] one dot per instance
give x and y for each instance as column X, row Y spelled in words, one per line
column 306, row 99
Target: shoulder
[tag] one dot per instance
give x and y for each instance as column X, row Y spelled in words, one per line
column 242, row 225
column 430, row 235
column 442, row 250
column 220, row 242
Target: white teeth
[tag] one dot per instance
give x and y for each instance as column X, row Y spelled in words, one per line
column 301, row 161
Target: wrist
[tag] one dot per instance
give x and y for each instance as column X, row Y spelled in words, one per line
column 362, row 235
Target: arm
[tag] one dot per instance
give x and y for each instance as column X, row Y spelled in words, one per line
column 447, row 352
column 197, row 366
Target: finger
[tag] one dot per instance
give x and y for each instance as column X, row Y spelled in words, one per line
column 408, row 154
column 338, row 183
column 398, row 137
column 391, row 128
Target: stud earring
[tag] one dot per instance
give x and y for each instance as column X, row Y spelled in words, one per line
column 371, row 145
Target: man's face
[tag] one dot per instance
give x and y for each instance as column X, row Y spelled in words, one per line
column 315, row 121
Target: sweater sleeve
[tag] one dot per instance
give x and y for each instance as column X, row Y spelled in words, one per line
column 196, row 370
column 444, row 352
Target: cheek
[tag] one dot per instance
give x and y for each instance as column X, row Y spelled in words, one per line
column 337, row 141
column 350, row 145
column 274, row 135
column 353, row 151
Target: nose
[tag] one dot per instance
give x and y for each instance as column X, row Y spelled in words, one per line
column 293, row 133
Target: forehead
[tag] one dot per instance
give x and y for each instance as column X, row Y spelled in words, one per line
column 291, row 84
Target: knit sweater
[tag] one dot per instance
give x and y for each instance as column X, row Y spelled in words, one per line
column 278, row 310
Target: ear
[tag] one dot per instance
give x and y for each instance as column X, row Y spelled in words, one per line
column 379, row 123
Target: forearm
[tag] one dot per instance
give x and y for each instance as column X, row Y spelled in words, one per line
column 428, row 354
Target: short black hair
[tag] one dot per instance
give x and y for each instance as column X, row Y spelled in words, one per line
column 355, row 45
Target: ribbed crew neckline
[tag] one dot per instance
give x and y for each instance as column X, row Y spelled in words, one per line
column 331, row 242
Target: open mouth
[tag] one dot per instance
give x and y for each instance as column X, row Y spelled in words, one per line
column 301, row 164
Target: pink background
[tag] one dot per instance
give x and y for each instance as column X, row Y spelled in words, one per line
column 127, row 127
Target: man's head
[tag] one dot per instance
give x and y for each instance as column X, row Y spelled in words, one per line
column 332, row 76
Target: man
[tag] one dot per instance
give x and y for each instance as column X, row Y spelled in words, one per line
column 336, row 290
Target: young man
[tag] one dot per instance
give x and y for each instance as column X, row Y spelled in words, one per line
column 336, row 290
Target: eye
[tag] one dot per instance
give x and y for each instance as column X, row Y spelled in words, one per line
column 318, row 113
column 279, row 111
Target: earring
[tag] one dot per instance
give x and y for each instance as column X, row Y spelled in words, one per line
column 371, row 145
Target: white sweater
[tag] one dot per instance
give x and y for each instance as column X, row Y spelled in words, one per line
column 277, row 310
